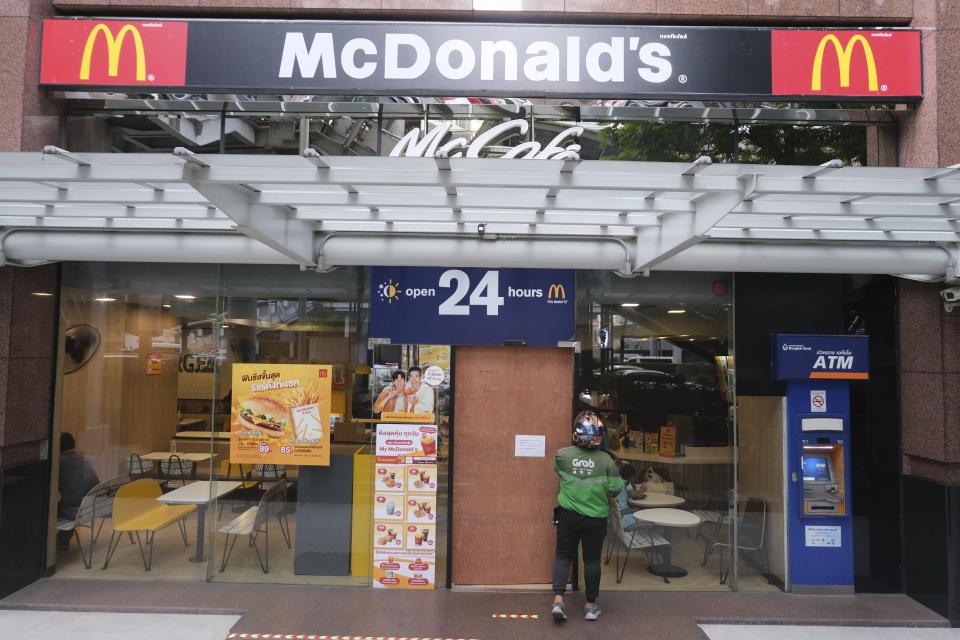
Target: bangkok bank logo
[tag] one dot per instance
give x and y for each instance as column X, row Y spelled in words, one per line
column 844, row 54
column 114, row 46
column 557, row 291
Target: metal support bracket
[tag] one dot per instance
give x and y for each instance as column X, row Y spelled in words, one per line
column 679, row 231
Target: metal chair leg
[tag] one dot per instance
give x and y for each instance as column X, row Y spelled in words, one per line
column 152, row 535
column 143, row 556
column 86, row 560
column 723, row 576
column 183, row 531
column 609, row 542
column 99, row 529
column 253, row 541
column 111, row 547
column 284, row 528
column 227, row 550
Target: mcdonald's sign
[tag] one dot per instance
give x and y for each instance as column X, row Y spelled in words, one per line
column 361, row 58
column 883, row 64
column 113, row 53
column 557, row 291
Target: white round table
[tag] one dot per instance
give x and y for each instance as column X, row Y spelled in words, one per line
column 667, row 518
column 653, row 500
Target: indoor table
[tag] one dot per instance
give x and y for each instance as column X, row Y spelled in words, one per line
column 192, row 458
column 667, row 518
column 200, row 494
column 654, row 499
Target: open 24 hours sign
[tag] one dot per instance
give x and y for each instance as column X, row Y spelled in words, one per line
column 472, row 306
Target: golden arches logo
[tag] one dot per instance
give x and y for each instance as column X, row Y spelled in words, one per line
column 844, row 55
column 557, row 291
column 114, row 46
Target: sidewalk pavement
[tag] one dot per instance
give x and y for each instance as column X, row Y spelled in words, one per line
column 345, row 611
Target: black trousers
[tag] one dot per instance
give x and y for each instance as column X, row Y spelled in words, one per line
column 576, row 529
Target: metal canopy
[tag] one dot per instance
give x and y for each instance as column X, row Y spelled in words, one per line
column 320, row 211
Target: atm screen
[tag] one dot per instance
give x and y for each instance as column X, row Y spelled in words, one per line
column 816, row 469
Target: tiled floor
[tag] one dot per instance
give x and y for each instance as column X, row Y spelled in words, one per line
column 786, row 632
column 73, row 625
column 305, row 609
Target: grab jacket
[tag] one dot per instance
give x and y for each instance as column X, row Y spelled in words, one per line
column 588, row 477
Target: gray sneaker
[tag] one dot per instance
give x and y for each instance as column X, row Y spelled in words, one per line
column 592, row 613
column 559, row 612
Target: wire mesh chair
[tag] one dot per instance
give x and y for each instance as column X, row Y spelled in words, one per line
column 175, row 471
column 255, row 522
column 138, row 468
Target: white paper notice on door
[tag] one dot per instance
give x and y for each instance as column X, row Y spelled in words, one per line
column 530, row 446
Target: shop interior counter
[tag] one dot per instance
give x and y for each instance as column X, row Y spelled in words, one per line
column 324, row 514
column 199, row 442
column 694, row 455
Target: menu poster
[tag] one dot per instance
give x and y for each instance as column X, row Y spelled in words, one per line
column 668, row 442
column 405, row 507
column 154, row 364
column 280, row 414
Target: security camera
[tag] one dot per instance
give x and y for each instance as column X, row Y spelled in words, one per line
column 951, row 294
column 482, row 228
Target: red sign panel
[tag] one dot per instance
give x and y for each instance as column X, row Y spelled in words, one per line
column 113, row 52
column 846, row 63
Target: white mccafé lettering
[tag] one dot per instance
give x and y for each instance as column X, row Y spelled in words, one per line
column 412, row 146
column 408, row 56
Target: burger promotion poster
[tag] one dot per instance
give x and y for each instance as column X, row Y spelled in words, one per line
column 405, row 500
column 281, row 414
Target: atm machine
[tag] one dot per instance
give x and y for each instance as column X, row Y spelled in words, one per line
column 818, row 370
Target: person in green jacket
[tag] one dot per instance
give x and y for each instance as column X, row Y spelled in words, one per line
column 588, row 479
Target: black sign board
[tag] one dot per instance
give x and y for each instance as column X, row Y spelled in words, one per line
column 448, row 59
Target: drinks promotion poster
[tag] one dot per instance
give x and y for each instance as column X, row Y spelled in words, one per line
column 405, row 507
column 280, row 414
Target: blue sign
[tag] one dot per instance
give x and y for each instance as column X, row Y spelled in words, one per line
column 475, row 306
column 803, row 357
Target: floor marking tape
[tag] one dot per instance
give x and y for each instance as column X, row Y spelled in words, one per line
column 520, row 616
column 282, row 636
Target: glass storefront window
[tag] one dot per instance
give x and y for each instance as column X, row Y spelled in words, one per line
column 657, row 364
column 146, row 396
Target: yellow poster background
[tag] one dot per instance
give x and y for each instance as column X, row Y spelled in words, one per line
column 280, row 414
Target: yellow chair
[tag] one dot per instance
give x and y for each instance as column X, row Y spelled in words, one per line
column 135, row 509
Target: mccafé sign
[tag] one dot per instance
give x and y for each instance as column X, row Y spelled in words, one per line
column 447, row 59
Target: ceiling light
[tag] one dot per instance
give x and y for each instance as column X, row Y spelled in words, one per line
column 41, row 293
column 497, row 5
column 184, row 296
column 166, row 306
column 676, row 310
column 224, row 326
column 630, row 304
column 105, row 299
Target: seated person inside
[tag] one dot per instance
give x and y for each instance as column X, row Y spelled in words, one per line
column 77, row 477
column 632, row 489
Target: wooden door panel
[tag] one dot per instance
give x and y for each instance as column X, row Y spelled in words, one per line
column 503, row 504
